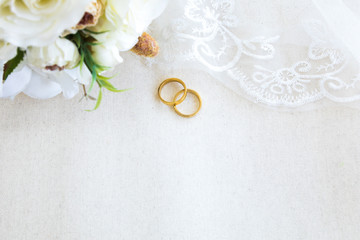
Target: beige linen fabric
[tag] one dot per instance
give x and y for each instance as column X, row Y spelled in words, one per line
column 134, row 170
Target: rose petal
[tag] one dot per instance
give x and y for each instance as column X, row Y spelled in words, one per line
column 16, row 83
column 145, row 11
column 68, row 85
column 80, row 75
column 42, row 87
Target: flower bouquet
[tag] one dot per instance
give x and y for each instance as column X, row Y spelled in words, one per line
column 62, row 46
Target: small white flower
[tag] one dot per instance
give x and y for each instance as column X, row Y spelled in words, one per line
column 126, row 20
column 107, row 55
column 38, row 23
column 60, row 55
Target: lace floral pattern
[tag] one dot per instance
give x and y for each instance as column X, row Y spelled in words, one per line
column 209, row 34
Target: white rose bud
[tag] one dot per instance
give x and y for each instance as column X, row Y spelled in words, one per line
column 126, row 20
column 107, row 55
column 60, row 55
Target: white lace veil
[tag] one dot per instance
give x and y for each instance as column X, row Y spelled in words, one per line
column 281, row 53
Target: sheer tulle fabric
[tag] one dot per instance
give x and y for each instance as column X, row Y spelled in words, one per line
column 283, row 53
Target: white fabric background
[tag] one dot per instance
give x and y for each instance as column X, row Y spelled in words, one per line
column 134, row 170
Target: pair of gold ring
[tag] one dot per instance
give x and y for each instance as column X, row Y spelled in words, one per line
column 177, row 101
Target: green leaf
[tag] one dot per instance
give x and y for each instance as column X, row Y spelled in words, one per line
column 104, row 78
column 81, row 63
column 12, row 64
column 96, row 33
column 93, row 79
column 77, row 40
column 110, row 87
column 98, row 101
column 94, row 43
column 101, row 69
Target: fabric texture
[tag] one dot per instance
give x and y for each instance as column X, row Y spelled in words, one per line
column 134, row 170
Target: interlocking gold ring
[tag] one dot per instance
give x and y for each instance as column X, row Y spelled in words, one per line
column 175, row 102
column 188, row 115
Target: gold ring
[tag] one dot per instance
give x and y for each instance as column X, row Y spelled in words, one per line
column 188, row 115
column 175, row 102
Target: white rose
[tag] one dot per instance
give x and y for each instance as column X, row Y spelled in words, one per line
column 106, row 54
column 126, row 20
column 47, row 84
column 42, row 84
column 60, row 55
column 38, row 23
column 7, row 52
